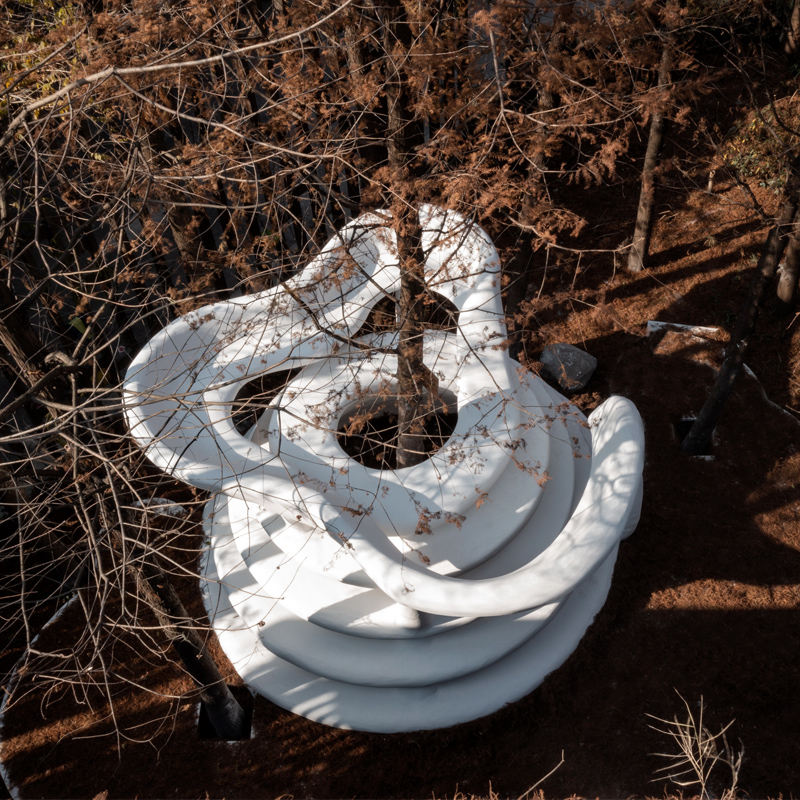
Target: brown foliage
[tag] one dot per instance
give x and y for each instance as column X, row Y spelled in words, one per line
column 155, row 156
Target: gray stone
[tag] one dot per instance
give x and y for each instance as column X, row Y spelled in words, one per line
column 569, row 366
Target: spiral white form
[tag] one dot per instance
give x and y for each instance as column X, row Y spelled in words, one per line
column 388, row 600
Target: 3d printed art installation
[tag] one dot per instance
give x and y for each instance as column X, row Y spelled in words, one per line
column 387, row 599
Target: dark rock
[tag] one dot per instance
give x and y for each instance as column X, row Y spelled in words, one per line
column 569, row 366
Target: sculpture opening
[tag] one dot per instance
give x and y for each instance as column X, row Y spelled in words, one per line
column 256, row 396
column 367, row 431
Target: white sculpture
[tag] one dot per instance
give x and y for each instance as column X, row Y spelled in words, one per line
column 388, row 600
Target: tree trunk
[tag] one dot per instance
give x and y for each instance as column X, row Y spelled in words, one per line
column 699, row 437
column 225, row 714
column 411, row 405
column 547, row 100
column 792, row 31
column 787, row 283
column 411, row 373
column 640, row 249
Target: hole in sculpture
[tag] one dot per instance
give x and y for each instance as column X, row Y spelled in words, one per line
column 255, row 397
column 367, row 431
column 382, row 317
column 438, row 314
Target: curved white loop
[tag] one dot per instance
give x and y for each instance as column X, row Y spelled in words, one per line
column 315, row 576
column 330, row 567
column 399, row 709
column 592, row 532
column 179, row 390
column 368, row 661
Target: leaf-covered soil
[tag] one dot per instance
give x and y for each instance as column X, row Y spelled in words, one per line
column 705, row 599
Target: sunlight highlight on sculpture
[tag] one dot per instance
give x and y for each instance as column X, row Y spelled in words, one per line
column 387, row 599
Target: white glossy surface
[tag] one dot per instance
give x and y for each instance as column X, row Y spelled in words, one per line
column 397, row 709
column 388, row 600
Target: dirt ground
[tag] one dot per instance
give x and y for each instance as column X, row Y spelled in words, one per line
column 705, row 600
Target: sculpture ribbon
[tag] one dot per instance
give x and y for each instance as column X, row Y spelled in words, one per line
column 508, row 517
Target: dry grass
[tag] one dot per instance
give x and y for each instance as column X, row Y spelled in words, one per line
column 698, row 752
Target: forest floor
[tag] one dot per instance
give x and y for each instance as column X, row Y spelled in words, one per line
column 705, row 599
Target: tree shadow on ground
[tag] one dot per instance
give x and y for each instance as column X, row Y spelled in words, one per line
column 705, row 601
